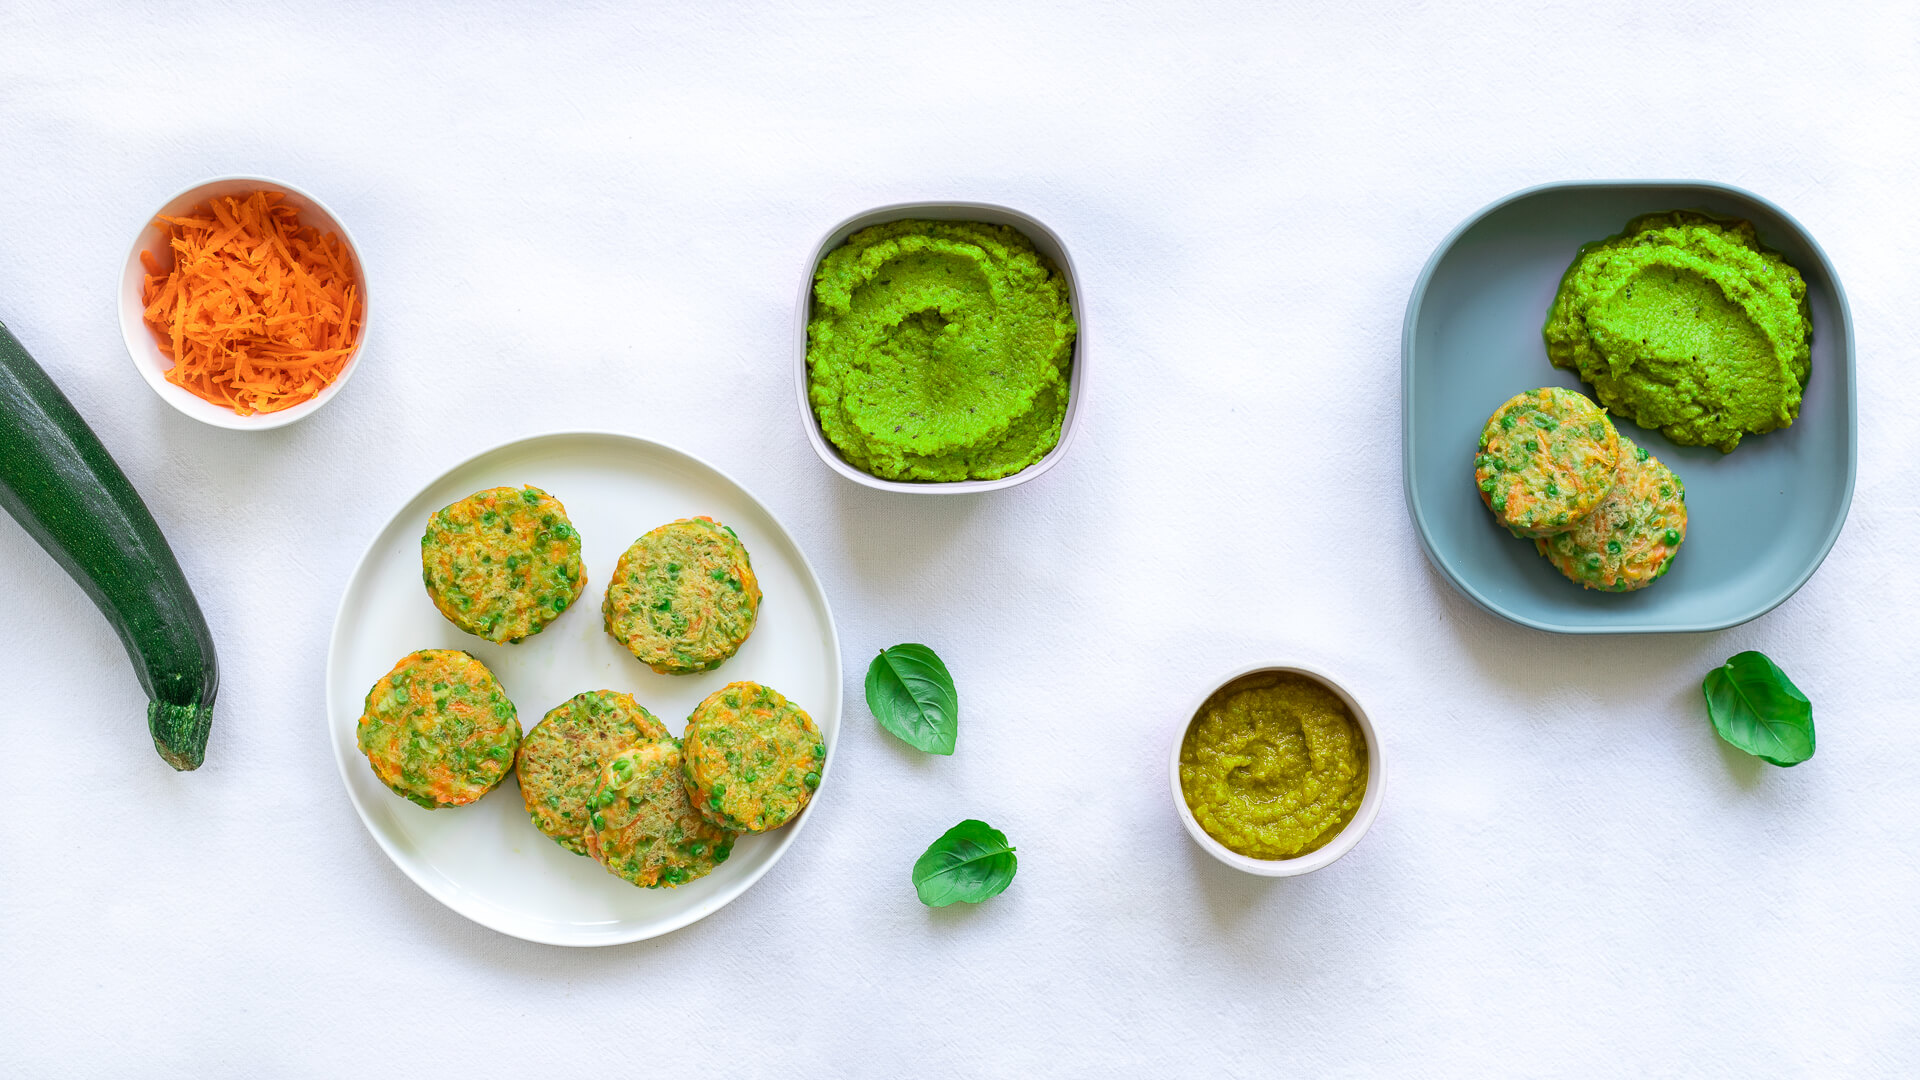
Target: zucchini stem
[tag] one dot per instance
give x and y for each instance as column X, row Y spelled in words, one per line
column 180, row 732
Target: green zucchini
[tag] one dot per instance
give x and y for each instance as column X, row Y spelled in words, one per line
column 60, row 484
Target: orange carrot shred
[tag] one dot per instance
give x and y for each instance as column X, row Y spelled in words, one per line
column 258, row 313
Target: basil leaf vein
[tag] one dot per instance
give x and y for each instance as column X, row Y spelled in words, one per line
column 1758, row 710
column 970, row 862
column 911, row 693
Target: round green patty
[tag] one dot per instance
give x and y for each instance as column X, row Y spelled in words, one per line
column 1547, row 458
column 502, row 563
column 641, row 826
column 1630, row 540
column 438, row 729
column 561, row 758
column 752, row 759
column 683, row 598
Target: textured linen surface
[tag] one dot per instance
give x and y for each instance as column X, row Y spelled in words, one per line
column 598, row 217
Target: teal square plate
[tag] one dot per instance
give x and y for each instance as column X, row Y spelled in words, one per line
column 1759, row 520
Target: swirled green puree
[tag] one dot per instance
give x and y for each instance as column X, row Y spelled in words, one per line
column 1273, row 766
column 1685, row 323
column 939, row 350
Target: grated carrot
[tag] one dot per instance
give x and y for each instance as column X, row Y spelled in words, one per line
column 258, row 312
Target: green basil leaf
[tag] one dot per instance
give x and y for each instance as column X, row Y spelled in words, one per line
column 1756, row 708
column 970, row 862
column 912, row 695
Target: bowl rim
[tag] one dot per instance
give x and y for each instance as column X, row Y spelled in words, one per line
column 1076, row 381
column 145, row 353
column 1417, row 298
column 1346, row 839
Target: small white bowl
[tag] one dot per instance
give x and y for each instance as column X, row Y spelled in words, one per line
column 1333, row 849
column 1044, row 240
column 145, row 351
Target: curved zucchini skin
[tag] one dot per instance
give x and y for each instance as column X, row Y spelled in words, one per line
column 60, row 484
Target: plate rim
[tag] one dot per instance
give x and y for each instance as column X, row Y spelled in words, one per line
column 1418, row 297
column 452, row 902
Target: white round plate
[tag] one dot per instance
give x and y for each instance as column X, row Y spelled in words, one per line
column 486, row 860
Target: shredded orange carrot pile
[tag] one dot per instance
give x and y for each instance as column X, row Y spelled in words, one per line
column 258, row 312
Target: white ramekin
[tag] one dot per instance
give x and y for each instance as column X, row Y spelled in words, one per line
column 1333, row 849
column 145, row 351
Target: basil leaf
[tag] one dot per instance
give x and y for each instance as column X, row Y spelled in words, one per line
column 912, row 695
column 970, row 863
column 1756, row 708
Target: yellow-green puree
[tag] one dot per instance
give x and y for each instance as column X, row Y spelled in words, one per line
column 1273, row 765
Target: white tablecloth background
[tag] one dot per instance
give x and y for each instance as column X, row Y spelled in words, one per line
column 596, row 217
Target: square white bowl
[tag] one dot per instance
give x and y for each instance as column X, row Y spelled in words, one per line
column 153, row 365
column 1044, row 240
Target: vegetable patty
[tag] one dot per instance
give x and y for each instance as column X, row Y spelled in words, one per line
column 438, row 729
column 502, row 563
column 1631, row 539
column 642, row 827
column 683, row 598
column 752, row 759
column 561, row 758
column 1547, row 458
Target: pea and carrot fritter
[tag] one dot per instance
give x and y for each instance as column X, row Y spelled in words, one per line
column 752, row 758
column 1546, row 458
column 438, row 729
column 502, row 563
column 684, row 597
column 562, row 757
column 1631, row 538
column 641, row 826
